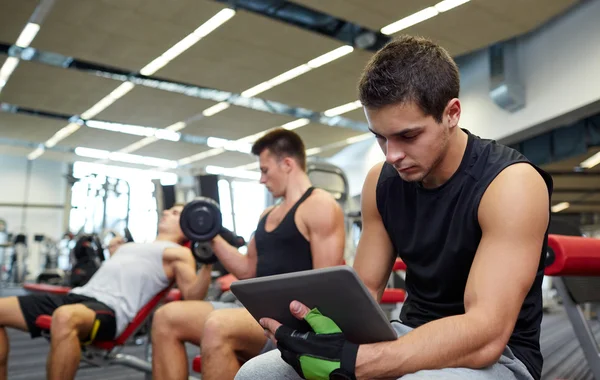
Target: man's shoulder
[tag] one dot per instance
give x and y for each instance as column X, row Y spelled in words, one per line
column 318, row 203
column 320, row 197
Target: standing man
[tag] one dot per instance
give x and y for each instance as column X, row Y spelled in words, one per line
column 468, row 216
column 304, row 231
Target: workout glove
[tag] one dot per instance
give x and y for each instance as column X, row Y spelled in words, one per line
column 322, row 354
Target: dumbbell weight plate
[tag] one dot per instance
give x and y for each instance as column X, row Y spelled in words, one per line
column 203, row 252
column 201, row 219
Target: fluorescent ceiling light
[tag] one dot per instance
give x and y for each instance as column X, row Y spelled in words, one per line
column 252, row 166
column 166, row 134
column 92, row 153
column 253, row 91
column 210, row 111
column 36, row 153
column 295, row 124
column 331, row 56
column 289, row 126
column 109, row 99
column 27, row 35
column 232, row 172
column 560, row 206
column 190, row 40
column 313, row 151
column 124, row 157
column 343, row 108
column 177, row 126
column 288, row 75
column 82, row 169
column 137, row 130
column 142, row 160
column 591, row 161
column 122, row 128
column 7, row 68
column 61, row 134
column 200, row 156
column 446, row 5
column 409, row 21
column 359, row 138
column 231, row 145
column 138, row 144
column 297, row 71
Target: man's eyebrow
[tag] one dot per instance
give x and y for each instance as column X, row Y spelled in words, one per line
column 403, row 132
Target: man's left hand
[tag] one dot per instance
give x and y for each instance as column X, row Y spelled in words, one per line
column 323, row 353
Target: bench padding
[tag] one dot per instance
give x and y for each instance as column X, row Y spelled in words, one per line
column 573, row 256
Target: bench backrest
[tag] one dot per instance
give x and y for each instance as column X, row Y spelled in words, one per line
column 137, row 321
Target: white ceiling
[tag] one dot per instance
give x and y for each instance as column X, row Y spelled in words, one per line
column 242, row 53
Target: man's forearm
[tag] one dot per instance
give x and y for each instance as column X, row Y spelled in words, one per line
column 457, row 341
column 199, row 288
column 235, row 263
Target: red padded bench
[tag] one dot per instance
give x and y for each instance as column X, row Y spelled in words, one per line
column 55, row 289
column 104, row 353
column 399, row 265
column 574, row 263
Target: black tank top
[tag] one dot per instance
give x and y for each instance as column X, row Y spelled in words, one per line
column 436, row 232
column 284, row 249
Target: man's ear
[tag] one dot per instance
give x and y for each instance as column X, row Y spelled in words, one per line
column 287, row 164
column 452, row 113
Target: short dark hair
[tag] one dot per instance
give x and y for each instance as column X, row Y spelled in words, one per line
column 410, row 69
column 282, row 143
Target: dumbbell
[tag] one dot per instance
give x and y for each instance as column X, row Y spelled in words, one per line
column 200, row 222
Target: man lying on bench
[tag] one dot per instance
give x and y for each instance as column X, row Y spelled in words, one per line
column 103, row 308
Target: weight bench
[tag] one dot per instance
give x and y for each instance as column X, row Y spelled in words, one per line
column 574, row 263
column 104, row 353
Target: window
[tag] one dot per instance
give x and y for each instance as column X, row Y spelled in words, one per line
column 249, row 201
column 110, row 197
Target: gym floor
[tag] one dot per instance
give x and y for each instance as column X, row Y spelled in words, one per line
column 563, row 358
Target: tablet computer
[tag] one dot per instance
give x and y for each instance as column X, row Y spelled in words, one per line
column 337, row 292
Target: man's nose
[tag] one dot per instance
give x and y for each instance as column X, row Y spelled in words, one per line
column 394, row 153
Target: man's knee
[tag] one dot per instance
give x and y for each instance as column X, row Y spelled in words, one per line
column 164, row 322
column 64, row 321
column 217, row 329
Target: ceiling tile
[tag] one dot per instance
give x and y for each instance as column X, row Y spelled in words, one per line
column 28, row 128
column 54, row 89
column 235, row 123
column 234, row 59
column 328, row 86
column 99, row 139
column 121, row 36
column 226, row 160
column 171, row 150
column 153, row 108
column 318, row 135
column 14, row 15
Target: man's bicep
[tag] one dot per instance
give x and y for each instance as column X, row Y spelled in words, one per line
column 180, row 264
column 513, row 215
column 375, row 252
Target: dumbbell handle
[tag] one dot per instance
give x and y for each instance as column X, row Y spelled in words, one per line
column 231, row 238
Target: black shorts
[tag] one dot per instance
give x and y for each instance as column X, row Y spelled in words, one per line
column 34, row 305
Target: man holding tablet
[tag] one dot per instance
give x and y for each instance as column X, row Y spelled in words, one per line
column 304, row 231
column 467, row 215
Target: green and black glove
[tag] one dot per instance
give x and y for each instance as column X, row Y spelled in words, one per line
column 322, row 354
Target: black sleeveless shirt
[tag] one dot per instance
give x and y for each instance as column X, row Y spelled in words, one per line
column 436, row 232
column 284, row 249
